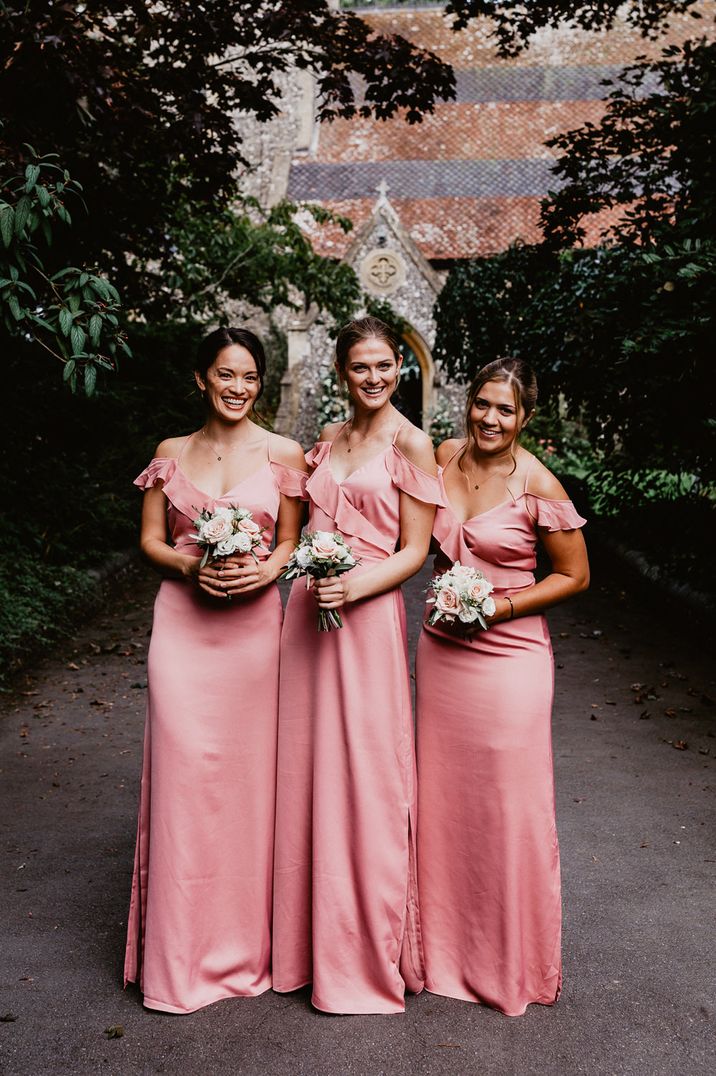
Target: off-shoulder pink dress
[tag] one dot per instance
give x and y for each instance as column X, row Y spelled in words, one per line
column 487, row 842
column 345, row 903
column 200, row 915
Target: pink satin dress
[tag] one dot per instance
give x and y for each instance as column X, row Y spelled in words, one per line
column 487, row 841
column 200, row 915
column 345, row 901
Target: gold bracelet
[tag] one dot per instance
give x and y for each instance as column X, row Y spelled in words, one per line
column 512, row 608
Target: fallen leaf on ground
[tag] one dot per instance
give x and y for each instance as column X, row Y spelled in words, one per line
column 115, row 1031
column 8, row 1018
column 680, row 745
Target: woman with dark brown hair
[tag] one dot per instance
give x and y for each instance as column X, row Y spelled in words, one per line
column 200, row 915
column 345, row 907
column 487, row 843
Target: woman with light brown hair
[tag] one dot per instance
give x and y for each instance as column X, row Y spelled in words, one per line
column 487, row 843
column 345, row 904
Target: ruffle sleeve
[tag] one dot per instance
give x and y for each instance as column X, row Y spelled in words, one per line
column 290, row 481
column 413, row 480
column 159, row 470
column 316, row 454
column 554, row 515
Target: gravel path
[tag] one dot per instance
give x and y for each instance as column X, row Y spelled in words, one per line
column 634, row 754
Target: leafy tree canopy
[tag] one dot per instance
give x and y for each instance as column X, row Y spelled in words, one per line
column 142, row 101
column 652, row 157
column 515, row 21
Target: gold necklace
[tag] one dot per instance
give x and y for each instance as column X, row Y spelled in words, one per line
column 210, row 444
column 495, row 474
column 348, row 437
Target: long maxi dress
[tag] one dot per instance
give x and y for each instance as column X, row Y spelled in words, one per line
column 200, row 914
column 345, row 901
column 487, row 842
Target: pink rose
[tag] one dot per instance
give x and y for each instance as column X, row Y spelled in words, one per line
column 479, row 590
column 447, row 600
column 324, row 546
column 249, row 525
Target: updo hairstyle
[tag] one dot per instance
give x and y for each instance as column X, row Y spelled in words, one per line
column 217, row 340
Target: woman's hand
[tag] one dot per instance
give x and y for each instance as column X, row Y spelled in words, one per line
column 331, row 593
column 234, row 576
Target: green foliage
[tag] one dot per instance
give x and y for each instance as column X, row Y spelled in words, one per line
column 72, row 313
column 623, row 332
column 514, row 21
column 143, row 102
column 243, row 252
column 38, row 603
column 652, row 157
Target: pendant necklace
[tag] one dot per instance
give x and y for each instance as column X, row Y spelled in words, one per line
column 209, row 443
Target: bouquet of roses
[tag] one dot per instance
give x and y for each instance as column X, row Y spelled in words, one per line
column 461, row 594
column 225, row 531
column 318, row 555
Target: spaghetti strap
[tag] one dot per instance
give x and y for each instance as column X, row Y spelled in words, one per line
column 395, row 435
column 189, row 438
column 528, row 472
column 269, row 457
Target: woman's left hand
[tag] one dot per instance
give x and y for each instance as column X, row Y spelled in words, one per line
column 503, row 611
column 331, row 593
column 241, row 574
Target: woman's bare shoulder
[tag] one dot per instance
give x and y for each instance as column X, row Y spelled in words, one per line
column 288, row 452
column 540, row 480
column 170, row 448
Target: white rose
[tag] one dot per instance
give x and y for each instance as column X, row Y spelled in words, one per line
column 224, row 513
column 488, row 607
column 243, row 542
column 479, row 590
column 467, row 613
column 304, row 557
column 226, row 546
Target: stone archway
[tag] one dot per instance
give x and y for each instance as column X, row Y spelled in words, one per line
column 419, row 391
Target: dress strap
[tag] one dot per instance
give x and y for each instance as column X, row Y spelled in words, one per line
column 189, row 438
column 269, row 457
column 395, row 435
column 528, row 472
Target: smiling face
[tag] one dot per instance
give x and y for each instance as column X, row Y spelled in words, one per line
column 371, row 373
column 232, row 383
column 495, row 417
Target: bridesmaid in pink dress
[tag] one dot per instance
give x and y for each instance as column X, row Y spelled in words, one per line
column 487, row 843
column 200, row 913
column 345, row 903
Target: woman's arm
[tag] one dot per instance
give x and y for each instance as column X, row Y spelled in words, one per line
column 568, row 556
column 416, row 524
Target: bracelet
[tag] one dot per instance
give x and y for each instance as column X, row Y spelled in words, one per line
column 512, row 608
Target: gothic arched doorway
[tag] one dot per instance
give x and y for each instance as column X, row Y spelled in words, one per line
column 414, row 396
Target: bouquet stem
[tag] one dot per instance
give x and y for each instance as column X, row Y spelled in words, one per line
column 328, row 619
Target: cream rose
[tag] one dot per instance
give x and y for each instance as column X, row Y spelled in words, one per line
column 215, row 530
column 325, row 546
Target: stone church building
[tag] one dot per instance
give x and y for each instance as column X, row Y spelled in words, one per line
column 465, row 182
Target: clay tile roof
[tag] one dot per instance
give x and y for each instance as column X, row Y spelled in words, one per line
column 468, row 180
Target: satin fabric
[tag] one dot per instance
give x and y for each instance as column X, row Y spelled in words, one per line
column 200, row 912
column 345, row 901
column 487, row 843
